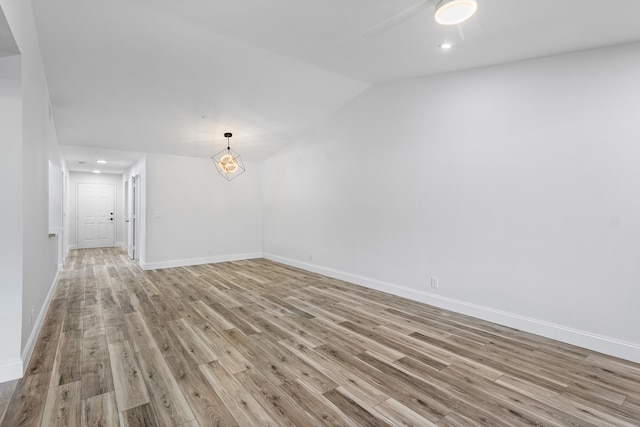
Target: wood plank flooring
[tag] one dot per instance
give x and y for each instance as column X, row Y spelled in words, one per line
column 256, row 343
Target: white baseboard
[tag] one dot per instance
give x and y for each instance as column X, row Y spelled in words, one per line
column 11, row 370
column 71, row 248
column 27, row 351
column 197, row 261
column 603, row 344
column 120, row 245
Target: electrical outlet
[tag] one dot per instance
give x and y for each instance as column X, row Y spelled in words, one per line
column 310, row 257
column 434, row 282
column 210, row 251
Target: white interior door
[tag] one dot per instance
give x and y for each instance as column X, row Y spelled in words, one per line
column 96, row 215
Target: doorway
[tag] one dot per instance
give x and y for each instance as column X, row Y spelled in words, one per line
column 132, row 221
column 127, row 221
column 95, row 215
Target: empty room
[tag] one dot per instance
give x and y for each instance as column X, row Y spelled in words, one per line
column 320, row 213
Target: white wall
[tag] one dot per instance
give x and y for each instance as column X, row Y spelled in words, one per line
column 10, row 216
column 39, row 146
column 194, row 216
column 57, row 181
column 76, row 178
column 516, row 185
column 56, row 185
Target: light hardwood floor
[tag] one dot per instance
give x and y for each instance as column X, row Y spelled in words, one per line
column 256, row 343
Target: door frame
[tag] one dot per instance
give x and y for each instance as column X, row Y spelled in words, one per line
column 127, row 221
column 134, row 223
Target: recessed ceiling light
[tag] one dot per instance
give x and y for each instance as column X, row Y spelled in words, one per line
column 96, row 171
column 446, row 46
column 452, row 12
column 102, row 162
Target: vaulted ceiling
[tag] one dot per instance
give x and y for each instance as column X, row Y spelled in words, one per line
column 166, row 76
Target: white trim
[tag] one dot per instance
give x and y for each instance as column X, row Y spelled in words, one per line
column 612, row 346
column 71, row 247
column 27, row 351
column 197, row 261
column 120, row 245
column 10, row 370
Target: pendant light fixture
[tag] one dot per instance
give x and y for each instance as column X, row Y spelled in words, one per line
column 228, row 162
column 452, row 12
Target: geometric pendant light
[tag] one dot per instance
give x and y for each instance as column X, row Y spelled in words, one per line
column 228, row 162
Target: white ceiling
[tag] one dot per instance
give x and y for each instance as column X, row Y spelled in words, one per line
column 168, row 76
column 85, row 159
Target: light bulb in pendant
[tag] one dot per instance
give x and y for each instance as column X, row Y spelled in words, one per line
column 228, row 163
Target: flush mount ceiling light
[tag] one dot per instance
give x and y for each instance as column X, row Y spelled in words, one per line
column 452, row 12
column 228, row 162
